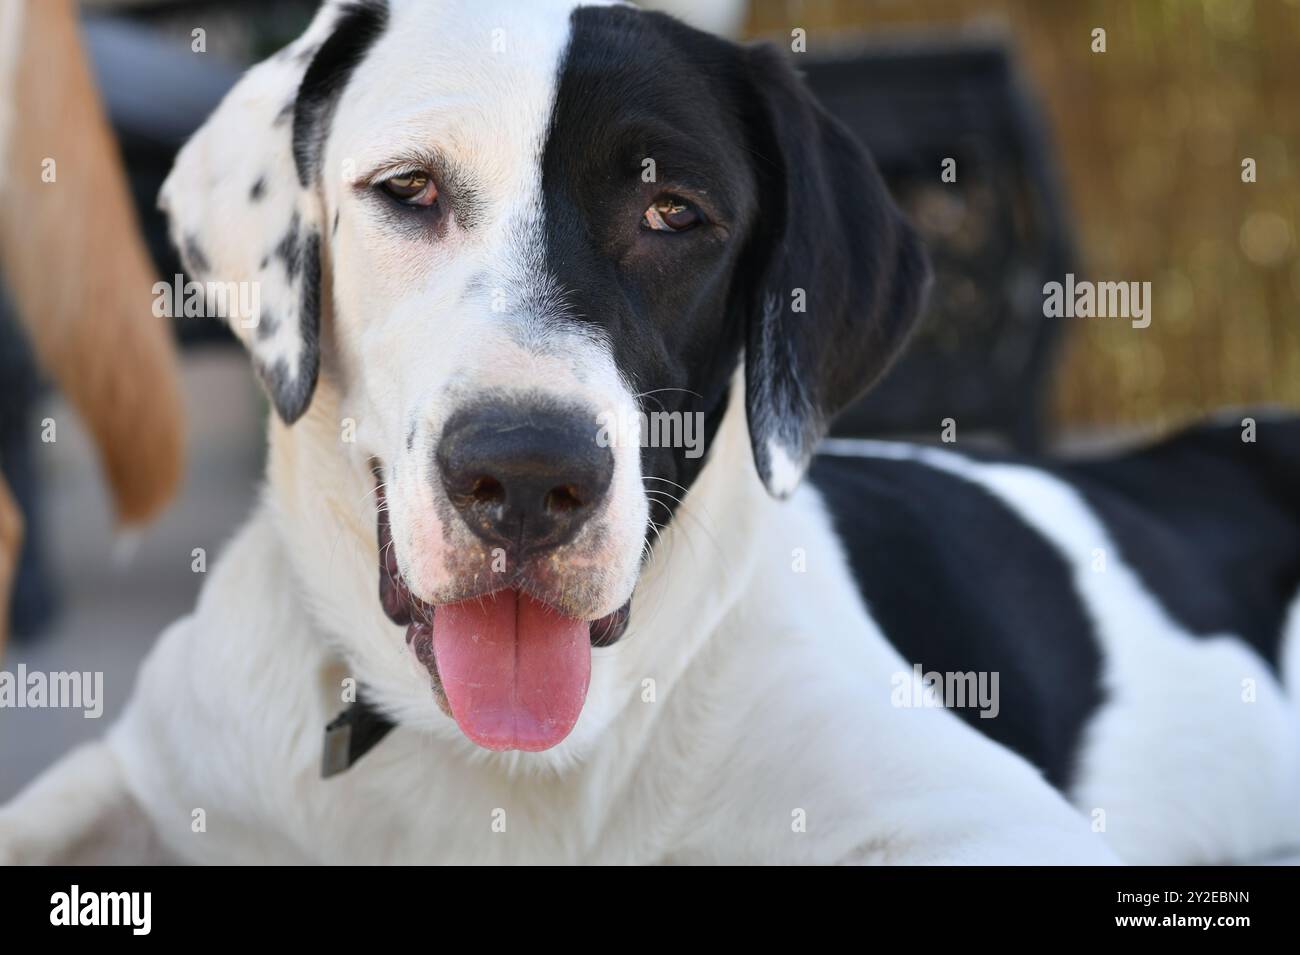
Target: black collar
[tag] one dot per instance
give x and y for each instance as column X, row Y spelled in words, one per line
column 351, row 735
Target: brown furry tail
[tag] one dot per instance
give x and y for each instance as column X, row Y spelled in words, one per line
column 79, row 273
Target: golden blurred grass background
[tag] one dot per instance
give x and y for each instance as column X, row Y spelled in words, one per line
column 1151, row 136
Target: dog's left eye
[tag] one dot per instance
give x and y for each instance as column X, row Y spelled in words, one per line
column 670, row 214
column 411, row 189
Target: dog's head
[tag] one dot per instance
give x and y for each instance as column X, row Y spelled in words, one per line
column 528, row 245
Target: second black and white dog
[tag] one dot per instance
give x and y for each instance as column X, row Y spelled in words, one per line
column 484, row 236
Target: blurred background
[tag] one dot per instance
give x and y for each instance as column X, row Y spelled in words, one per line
column 1122, row 165
column 1147, row 140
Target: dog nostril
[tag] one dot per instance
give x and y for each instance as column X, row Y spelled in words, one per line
column 563, row 499
column 487, row 490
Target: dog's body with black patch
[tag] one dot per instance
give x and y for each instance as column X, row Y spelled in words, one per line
column 481, row 231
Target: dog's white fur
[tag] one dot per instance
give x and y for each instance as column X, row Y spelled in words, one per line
column 728, row 716
column 723, row 720
column 746, row 716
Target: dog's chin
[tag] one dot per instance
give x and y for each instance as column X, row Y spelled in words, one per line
column 504, row 662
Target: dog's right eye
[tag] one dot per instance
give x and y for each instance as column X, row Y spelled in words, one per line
column 670, row 214
column 411, row 189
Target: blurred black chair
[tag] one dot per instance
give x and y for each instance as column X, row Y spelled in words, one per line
column 983, row 352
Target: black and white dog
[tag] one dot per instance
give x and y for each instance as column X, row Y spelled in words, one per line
column 486, row 235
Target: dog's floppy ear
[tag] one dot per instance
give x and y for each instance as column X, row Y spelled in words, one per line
column 244, row 199
column 836, row 276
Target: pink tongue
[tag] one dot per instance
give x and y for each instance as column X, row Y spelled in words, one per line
column 515, row 671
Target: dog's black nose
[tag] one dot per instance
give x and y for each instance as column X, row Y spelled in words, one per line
column 524, row 477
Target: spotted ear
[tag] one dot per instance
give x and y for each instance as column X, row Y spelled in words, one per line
column 842, row 274
column 244, row 200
